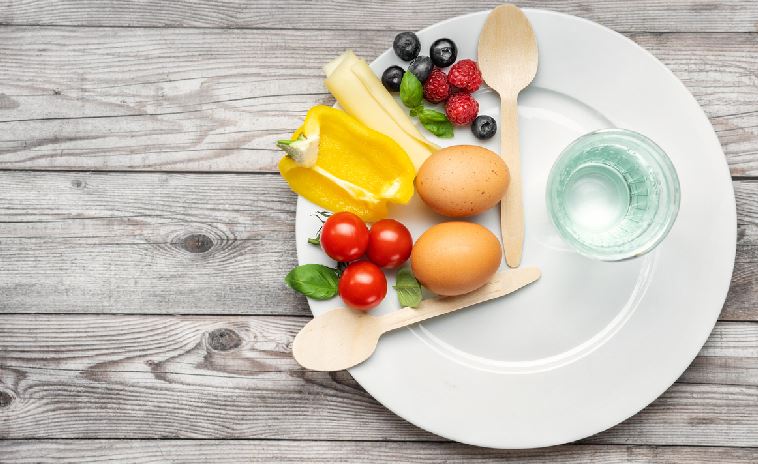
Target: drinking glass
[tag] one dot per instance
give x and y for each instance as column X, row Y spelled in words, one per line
column 613, row 194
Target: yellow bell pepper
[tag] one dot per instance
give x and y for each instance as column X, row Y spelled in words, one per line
column 340, row 164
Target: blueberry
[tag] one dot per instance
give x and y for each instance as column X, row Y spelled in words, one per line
column 484, row 127
column 406, row 46
column 391, row 78
column 421, row 67
column 443, row 52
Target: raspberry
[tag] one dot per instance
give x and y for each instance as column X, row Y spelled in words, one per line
column 465, row 75
column 461, row 109
column 436, row 88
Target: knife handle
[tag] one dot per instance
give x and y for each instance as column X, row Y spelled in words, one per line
column 501, row 284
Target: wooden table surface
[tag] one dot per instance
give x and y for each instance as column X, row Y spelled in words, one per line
column 144, row 234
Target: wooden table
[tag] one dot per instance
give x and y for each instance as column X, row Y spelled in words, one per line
column 144, row 234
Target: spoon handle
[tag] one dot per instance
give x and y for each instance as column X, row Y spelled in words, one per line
column 511, row 207
column 502, row 283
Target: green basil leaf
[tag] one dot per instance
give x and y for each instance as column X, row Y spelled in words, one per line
column 443, row 130
column 313, row 280
column 436, row 123
column 411, row 90
column 416, row 111
column 427, row 115
column 408, row 289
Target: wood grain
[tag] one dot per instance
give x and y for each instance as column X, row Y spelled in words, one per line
column 648, row 15
column 266, row 451
column 146, row 243
column 88, row 376
column 209, row 100
column 190, row 243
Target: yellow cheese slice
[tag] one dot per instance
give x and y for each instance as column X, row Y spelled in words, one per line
column 361, row 94
column 385, row 99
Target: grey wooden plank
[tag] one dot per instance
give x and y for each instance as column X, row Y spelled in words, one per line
column 741, row 300
column 97, row 376
column 648, row 15
column 146, row 243
column 265, row 451
column 189, row 243
column 202, row 100
column 257, row 344
column 724, row 370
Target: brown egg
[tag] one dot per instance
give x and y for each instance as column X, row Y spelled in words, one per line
column 454, row 258
column 462, row 180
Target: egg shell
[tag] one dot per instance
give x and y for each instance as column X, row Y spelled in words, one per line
column 462, row 180
column 453, row 258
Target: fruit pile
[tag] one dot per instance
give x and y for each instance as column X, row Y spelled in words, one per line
column 360, row 282
column 454, row 89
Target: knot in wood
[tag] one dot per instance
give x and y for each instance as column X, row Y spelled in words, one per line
column 77, row 184
column 224, row 340
column 5, row 399
column 197, row 243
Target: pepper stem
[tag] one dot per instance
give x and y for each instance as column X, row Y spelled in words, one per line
column 302, row 150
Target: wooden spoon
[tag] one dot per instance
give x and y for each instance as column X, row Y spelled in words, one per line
column 508, row 61
column 342, row 338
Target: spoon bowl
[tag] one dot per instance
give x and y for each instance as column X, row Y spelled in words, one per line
column 507, row 51
column 340, row 337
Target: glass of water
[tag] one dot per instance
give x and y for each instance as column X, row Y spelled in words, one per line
column 613, row 194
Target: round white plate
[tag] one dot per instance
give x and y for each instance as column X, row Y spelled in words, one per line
column 590, row 343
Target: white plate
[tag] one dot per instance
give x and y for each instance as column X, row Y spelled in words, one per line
column 591, row 343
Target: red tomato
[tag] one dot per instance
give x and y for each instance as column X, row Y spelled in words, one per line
column 362, row 285
column 389, row 244
column 344, row 237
